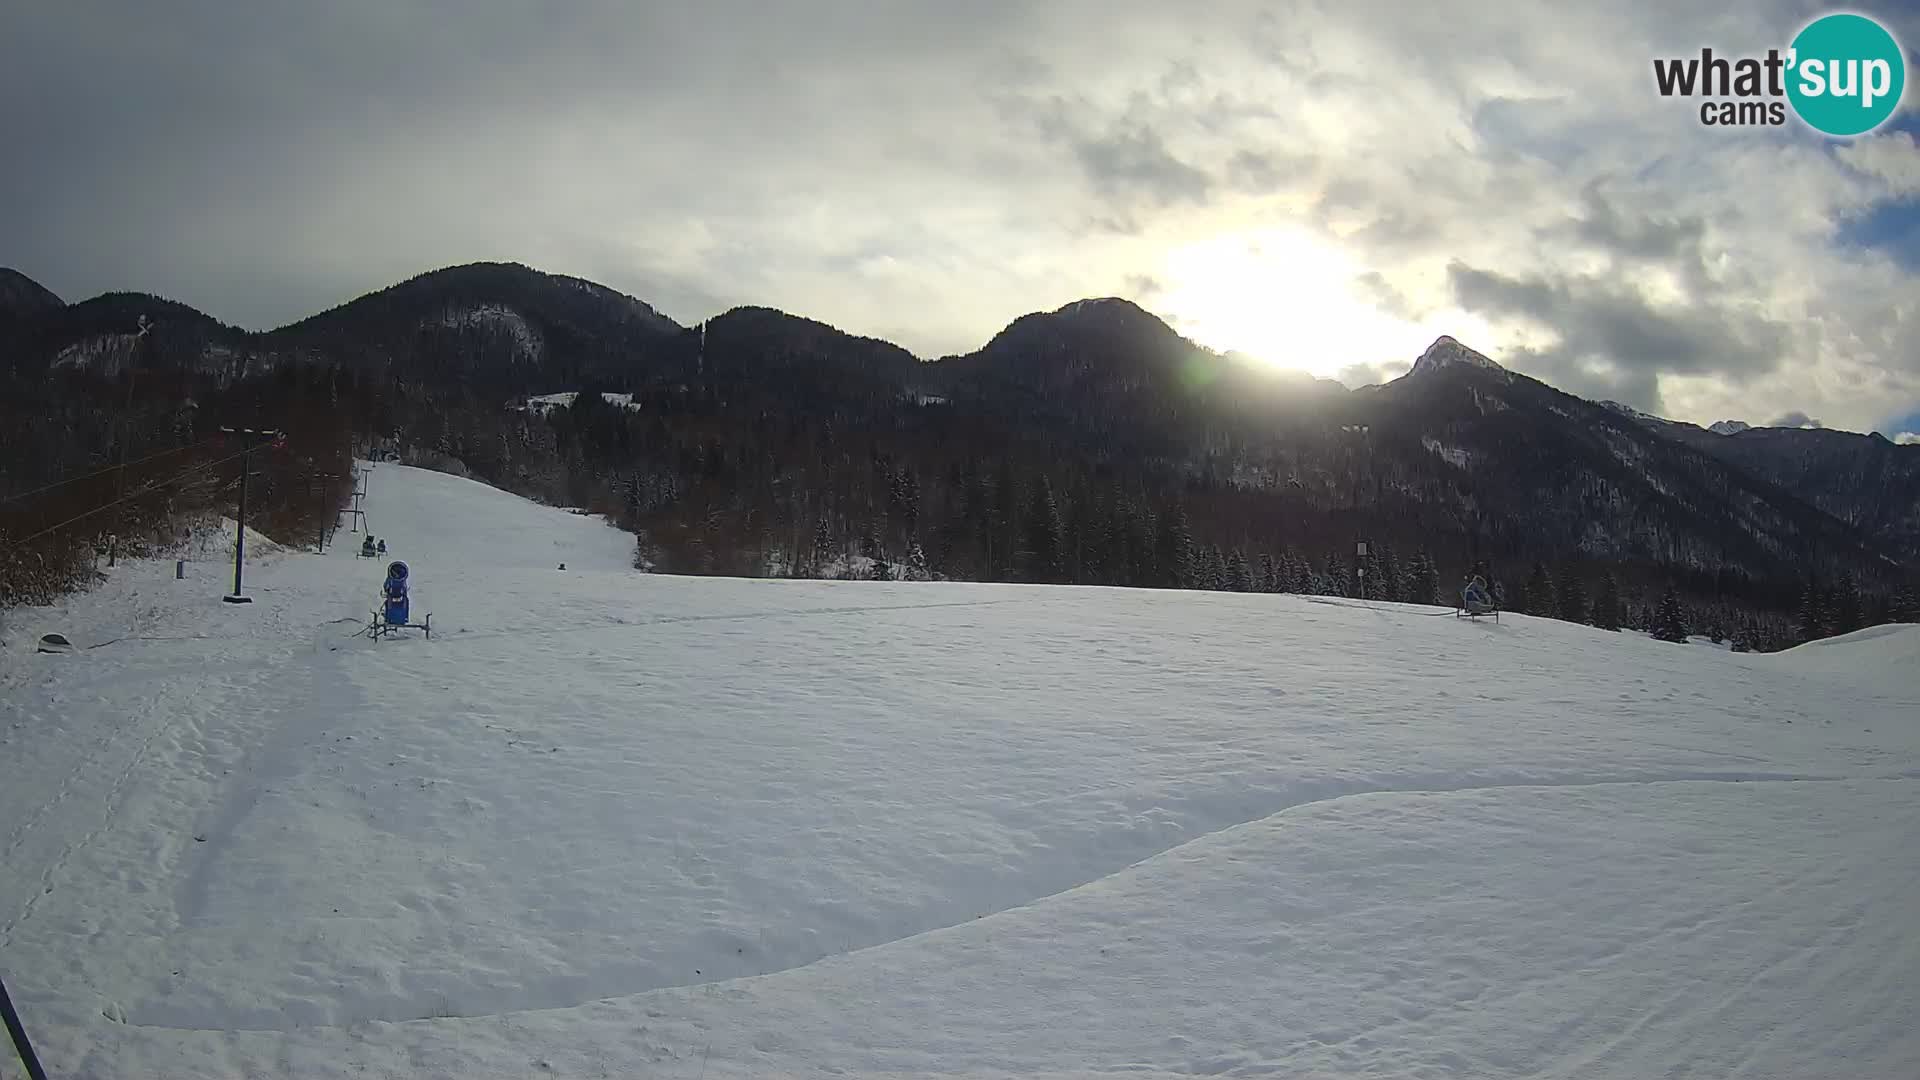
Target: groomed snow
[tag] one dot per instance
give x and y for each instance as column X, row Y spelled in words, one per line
column 614, row 824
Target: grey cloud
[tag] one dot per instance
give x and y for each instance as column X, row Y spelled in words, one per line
column 1354, row 376
column 1399, row 229
column 1528, row 128
column 264, row 161
column 1639, row 236
column 1794, row 419
column 1614, row 338
column 1122, row 158
column 1144, row 287
column 1258, row 172
column 1595, row 380
column 1121, row 224
column 1127, row 161
column 1376, row 287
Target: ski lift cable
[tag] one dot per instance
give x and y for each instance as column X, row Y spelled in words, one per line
column 105, row 471
column 182, row 474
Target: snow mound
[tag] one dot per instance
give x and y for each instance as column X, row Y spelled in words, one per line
column 1890, row 649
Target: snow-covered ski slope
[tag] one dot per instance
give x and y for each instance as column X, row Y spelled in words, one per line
column 610, row 824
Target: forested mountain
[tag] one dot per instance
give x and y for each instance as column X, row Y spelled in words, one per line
column 1087, row 444
column 489, row 326
column 1864, row 480
column 22, row 296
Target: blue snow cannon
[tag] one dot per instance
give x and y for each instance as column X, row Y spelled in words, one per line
column 395, row 594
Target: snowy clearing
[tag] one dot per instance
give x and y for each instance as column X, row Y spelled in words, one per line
column 607, row 823
column 545, row 403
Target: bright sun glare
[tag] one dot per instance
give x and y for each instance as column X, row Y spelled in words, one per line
column 1290, row 299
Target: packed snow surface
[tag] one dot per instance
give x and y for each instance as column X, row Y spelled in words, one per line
column 611, row 824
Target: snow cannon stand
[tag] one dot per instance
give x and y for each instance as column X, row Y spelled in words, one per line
column 1476, row 613
column 395, row 611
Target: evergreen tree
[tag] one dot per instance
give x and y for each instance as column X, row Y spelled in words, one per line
column 1299, row 574
column 1214, row 569
column 1846, row 605
column 917, row 563
column 1388, row 568
column 1042, row 549
column 1082, row 547
column 1005, row 527
column 903, row 499
column 822, row 554
column 1573, row 598
column 1424, row 580
column 1536, row 596
column 1878, row 608
column 1813, row 619
column 1239, row 576
column 1336, row 577
column 1177, row 569
column 1906, row 605
column 1269, row 574
column 1669, row 621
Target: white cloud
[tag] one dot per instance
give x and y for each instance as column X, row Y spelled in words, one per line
column 1892, row 157
column 1908, row 438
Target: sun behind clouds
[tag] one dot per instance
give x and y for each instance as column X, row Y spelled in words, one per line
column 1294, row 300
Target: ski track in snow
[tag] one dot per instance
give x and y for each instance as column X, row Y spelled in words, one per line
column 546, row 820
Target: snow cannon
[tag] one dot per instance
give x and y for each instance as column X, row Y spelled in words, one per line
column 394, row 592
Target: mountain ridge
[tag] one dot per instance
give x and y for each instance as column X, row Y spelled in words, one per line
column 1445, row 349
column 1459, row 451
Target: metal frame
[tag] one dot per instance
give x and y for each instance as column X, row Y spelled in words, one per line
column 381, row 628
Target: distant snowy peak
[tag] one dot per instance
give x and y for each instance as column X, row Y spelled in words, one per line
column 1632, row 413
column 1445, row 352
column 1724, row 427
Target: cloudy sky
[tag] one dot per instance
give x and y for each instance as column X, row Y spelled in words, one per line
column 1325, row 185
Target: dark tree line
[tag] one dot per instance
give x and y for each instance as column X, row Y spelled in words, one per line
column 99, row 467
column 867, row 486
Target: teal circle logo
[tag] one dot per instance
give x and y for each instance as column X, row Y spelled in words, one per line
column 1847, row 75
